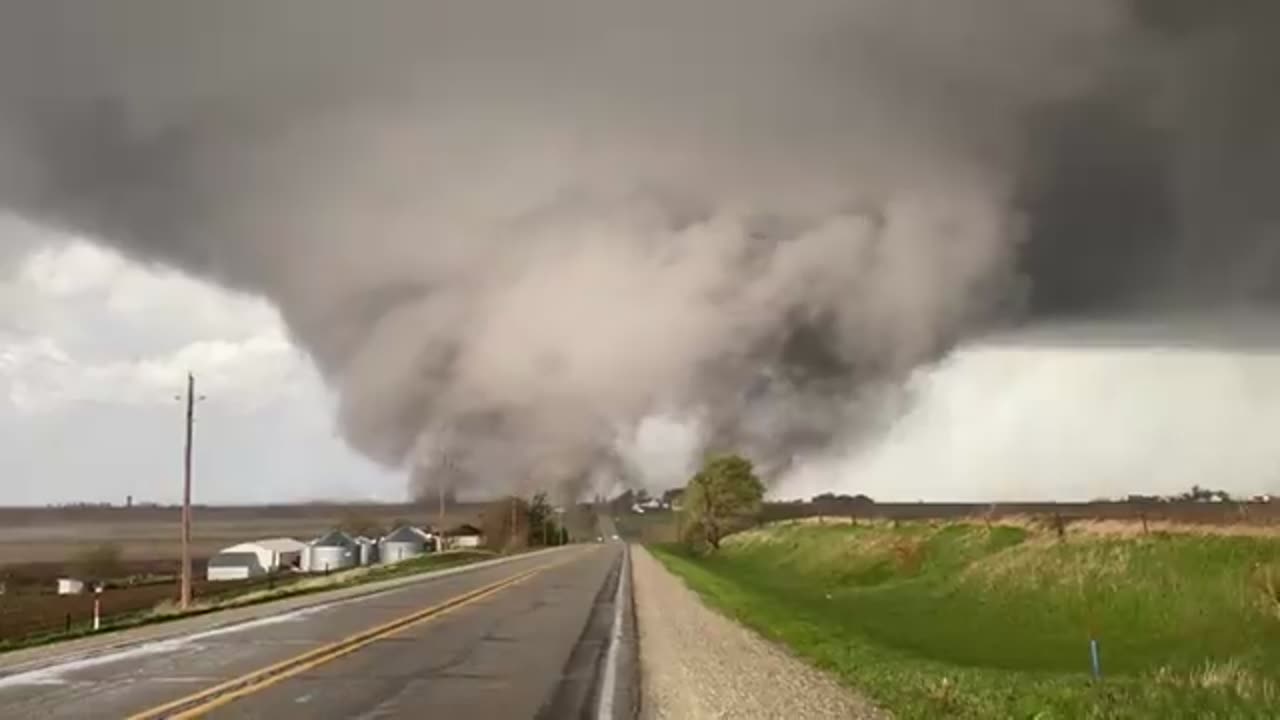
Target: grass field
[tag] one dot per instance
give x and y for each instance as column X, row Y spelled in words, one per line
column 961, row 620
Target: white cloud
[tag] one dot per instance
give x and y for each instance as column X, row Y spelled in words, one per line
column 93, row 350
column 1072, row 423
column 120, row 333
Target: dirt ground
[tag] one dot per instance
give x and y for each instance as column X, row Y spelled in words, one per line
column 57, row 536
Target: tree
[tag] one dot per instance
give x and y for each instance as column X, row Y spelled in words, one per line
column 723, row 496
column 101, row 562
column 543, row 529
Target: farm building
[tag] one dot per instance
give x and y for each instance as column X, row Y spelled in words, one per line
column 403, row 543
column 273, row 553
column 334, row 551
column 70, row 586
column 368, row 550
column 234, row 565
column 465, row 536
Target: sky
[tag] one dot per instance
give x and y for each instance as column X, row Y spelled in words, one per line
column 552, row 246
column 94, row 350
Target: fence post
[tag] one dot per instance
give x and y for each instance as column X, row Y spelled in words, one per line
column 68, row 623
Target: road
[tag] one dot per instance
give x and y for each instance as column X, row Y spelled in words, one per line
column 534, row 638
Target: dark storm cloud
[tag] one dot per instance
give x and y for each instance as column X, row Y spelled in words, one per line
column 514, row 228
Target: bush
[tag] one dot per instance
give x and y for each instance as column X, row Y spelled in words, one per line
column 101, row 562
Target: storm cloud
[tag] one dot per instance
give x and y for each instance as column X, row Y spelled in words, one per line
column 510, row 232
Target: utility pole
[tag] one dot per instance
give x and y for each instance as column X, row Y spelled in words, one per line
column 185, row 594
column 513, row 521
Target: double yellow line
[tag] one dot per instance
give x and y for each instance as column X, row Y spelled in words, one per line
column 200, row 703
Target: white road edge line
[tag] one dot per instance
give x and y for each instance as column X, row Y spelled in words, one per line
column 126, row 648
column 609, row 685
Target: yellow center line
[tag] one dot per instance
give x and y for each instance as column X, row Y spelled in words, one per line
column 199, row 703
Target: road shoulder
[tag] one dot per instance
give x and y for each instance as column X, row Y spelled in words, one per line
column 697, row 664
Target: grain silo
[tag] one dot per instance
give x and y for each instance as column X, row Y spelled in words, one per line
column 403, row 543
column 368, row 550
column 335, row 551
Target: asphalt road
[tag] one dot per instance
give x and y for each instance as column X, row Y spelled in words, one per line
column 536, row 637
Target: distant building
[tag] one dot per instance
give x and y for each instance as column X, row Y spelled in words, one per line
column 70, row 586
column 465, row 536
column 238, row 565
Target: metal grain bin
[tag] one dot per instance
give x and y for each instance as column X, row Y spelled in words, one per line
column 368, row 553
column 402, row 544
column 335, row 551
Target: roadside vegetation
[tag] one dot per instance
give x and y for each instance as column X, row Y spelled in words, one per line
column 961, row 620
column 19, row 610
column 724, row 496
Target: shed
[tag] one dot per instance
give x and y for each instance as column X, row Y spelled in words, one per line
column 403, row 543
column 70, row 586
column 234, row 566
column 273, row 553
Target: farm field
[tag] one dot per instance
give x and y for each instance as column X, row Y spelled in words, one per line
column 39, row 545
column 57, row 535
column 965, row 620
column 33, row 617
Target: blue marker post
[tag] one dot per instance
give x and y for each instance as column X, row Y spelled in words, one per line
column 1097, row 661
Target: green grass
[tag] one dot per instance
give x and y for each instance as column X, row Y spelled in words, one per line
column 954, row 620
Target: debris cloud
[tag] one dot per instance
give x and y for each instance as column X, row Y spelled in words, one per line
column 508, row 233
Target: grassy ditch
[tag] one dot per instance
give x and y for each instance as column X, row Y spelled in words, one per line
column 240, row 597
column 957, row 620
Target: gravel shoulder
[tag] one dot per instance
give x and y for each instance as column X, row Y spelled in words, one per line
column 697, row 664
